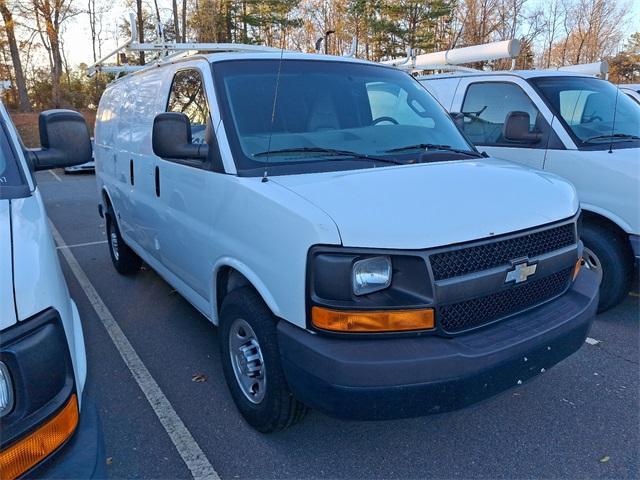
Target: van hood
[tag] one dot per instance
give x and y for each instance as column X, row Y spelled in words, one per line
column 7, row 302
column 436, row 204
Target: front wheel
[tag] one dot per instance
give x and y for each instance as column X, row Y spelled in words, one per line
column 125, row 260
column 609, row 255
column 251, row 363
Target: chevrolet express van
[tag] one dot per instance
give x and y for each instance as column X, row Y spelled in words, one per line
column 577, row 126
column 49, row 427
column 357, row 253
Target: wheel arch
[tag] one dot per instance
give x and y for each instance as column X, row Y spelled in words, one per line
column 605, row 221
column 106, row 199
column 605, row 217
column 230, row 274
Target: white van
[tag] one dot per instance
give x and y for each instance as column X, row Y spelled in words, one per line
column 357, row 253
column 576, row 126
column 632, row 90
column 50, row 428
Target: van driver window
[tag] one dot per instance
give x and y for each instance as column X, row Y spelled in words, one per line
column 188, row 96
column 486, row 106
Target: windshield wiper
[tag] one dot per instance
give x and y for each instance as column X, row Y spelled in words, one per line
column 625, row 136
column 434, row 146
column 329, row 151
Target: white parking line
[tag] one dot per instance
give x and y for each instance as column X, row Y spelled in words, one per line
column 86, row 244
column 55, row 175
column 187, row 447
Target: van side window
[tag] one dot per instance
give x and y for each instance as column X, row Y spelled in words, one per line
column 486, row 106
column 188, row 96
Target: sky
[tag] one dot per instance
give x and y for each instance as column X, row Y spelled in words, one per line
column 77, row 39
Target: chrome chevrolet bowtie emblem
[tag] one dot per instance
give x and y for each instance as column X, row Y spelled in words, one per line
column 520, row 272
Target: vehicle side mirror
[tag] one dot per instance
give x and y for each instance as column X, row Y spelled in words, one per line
column 64, row 141
column 516, row 128
column 171, row 138
column 458, row 119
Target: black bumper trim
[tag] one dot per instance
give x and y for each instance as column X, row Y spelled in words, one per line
column 405, row 377
column 83, row 456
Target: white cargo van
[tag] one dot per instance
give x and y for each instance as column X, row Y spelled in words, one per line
column 632, row 90
column 576, row 126
column 49, row 427
column 357, row 253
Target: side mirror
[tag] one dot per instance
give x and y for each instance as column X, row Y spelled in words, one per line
column 458, row 119
column 64, row 140
column 171, row 138
column 516, row 129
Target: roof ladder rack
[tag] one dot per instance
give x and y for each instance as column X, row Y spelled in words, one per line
column 166, row 51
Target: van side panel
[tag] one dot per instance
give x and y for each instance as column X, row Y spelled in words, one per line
column 443, row 89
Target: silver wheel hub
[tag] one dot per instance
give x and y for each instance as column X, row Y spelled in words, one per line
column 113, row 240
column 592, row 262
column 247, row 361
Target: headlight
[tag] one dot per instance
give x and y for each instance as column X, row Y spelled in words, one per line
column 6, row 391
column 370, row 275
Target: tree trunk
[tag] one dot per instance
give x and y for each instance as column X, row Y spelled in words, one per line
column 174, row 6
column 184, row 21
column 140, row 28
column 21, row 86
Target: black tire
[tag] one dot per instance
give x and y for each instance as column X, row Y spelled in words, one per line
column 610, row 252
column 277, row 409
column 125, row 260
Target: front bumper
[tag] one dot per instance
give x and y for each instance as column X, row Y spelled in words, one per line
column 83, row 456
column 404, row 377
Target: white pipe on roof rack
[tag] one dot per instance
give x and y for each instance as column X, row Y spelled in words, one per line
column 476, row 53
column 600, row 69
column 452, row 68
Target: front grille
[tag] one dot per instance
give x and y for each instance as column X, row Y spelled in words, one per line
column 467, row 314
column 462, row 261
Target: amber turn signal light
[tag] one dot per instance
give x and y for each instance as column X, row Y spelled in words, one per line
column 35, row 447
column 576, row 269
column 372, row 321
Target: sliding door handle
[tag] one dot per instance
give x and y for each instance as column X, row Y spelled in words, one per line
column 131, row 174
column 157, row 182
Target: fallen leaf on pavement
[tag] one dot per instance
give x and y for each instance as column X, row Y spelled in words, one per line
column 198, row 377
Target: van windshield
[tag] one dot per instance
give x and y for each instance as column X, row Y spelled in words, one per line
column 329, row 115
column 11, row 179
column 587, row 106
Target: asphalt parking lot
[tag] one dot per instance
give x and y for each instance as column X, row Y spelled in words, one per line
column 579, row 419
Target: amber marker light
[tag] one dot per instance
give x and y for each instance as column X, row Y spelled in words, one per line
column 576, row 269
column 372, row 321
column 39, row 444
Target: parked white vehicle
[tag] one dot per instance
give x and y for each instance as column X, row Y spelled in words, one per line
column 632, row 90
column 50, row 429
column 292, row 200
column 576, row 126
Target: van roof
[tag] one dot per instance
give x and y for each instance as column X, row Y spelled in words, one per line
column 286, row 54
column 516, row 73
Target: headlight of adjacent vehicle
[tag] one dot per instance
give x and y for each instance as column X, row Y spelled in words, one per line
column 6, row 391
column 371, row 275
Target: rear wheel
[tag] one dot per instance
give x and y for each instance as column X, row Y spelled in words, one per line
column 251, row 363
column 608, row 254
column 125, row 260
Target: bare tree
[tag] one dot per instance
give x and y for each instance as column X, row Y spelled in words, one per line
column 50, row 16
column 21, row 84
column 95, row 14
